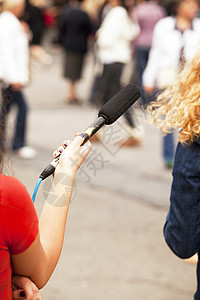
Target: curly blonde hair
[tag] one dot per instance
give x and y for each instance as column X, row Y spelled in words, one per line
column 178, row 106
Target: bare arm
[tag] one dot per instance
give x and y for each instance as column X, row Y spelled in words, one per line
column 40, row 259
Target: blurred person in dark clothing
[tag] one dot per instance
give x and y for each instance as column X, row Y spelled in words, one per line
column 33, row 16
column 75, row 27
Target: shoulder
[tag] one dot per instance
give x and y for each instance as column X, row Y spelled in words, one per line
column 8, row 18
column 84, row 15
column 13, row 193
column 10, row 181
column 167, row 22
column 17, row 214
column 188, row 158
column 118, row 11
column 116, row 15
column 196, row 23
column 8, row 23
column 165, row 25
column 75, row 14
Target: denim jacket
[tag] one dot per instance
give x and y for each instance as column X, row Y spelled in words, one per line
column 182, row 227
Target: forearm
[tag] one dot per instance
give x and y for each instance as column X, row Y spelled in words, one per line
column 52, row 225
column 46, row 249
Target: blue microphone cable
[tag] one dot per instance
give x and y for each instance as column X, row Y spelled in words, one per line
column 36, row 189
column 49, row 170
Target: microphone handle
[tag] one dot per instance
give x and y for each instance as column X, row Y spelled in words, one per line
column 87, row 134
column 92, row 129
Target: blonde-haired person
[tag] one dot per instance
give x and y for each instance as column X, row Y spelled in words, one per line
column 14, row 73
column 179, row 107
column 176, row 39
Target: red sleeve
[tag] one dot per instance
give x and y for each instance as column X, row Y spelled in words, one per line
column 20, row 217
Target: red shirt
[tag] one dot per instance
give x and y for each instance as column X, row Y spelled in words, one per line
column 18, row 227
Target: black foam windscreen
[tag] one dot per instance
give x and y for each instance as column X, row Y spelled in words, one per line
column 119, row 103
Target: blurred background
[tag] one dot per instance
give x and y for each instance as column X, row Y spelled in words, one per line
column 114, row 247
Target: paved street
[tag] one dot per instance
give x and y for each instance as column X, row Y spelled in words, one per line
column 114, row 247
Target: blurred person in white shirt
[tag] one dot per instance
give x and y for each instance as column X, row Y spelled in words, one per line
column 114, row 39
column 14, row 73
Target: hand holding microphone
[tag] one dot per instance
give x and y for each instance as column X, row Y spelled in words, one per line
column 107, row 115
column 71, row 155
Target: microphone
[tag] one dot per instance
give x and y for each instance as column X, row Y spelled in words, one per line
column 107, row 115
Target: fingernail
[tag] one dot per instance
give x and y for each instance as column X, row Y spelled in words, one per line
column 22, row 294
column 60, row 150
column 55, row 153
column 65, row 144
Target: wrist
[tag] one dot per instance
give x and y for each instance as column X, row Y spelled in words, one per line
column 60, row 192
column 65, row 170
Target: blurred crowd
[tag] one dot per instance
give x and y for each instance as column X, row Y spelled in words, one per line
column 132, row 41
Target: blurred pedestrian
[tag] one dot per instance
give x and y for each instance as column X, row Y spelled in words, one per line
column 95, row 92
column 147, row 14
column 114, row 38
column 14, row 73
column 33, row 16
column 75, row 27
column 28, row 246
column 175, row 40
column 178, row 108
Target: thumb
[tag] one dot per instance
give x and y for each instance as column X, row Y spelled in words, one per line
column 78, row 140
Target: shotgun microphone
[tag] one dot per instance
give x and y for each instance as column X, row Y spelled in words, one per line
column 107, row 115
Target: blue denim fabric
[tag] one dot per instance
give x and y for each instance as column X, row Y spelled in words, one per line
column 182, row 227
column 141, row 56
column 168, row 147
column 10, row 98
column 168, row 141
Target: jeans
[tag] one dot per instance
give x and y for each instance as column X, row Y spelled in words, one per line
column 168, row 143
column 141, row 54
column 168, row 147
column 9, row 98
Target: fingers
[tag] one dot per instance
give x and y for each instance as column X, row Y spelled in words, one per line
column 85, row 148
column 76, row 146
column 77, row 142
column 18, row 294
column 71, row 155
column 32, row 293
column 60, row 149
column 24, row 288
